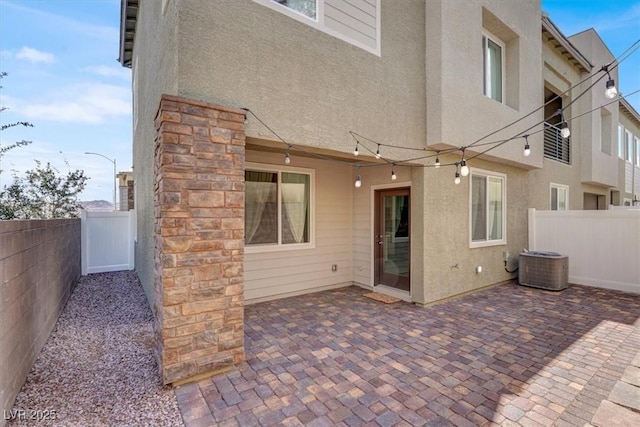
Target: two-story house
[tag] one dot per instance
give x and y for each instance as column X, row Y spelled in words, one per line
column 292, row 146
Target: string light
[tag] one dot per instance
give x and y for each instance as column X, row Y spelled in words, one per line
column 610, row 91
column 246, row 119
column 527, row 149
column 393, row 172
column 563, row 126
column 565, row 132
column 358, row 182
column 287, row 158
column 464, row 169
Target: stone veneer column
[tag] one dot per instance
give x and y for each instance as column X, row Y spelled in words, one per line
column 199, row 232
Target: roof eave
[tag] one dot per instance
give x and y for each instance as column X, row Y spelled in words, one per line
column 629, row 111
column 128, row 21
column 565, row 47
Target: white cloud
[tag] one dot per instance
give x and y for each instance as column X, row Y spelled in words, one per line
column 106, row 71
column 35, row 56
column 91, row 103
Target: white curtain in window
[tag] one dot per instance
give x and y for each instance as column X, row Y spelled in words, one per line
column 495, row 209
column 295, row 203
column 259, row 188
column 478, row 208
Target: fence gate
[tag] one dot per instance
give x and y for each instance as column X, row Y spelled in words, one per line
column 107, row 241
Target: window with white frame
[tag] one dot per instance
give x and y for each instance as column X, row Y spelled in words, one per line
column 621, row 141
column 637, row 151
column 628, row 146
column 278, row 208
column 357, row 23
column 493, row 66
column 559, row 197
column 305, row 7
column 488, row 208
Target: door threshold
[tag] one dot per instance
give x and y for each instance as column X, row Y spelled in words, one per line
column 393, row 292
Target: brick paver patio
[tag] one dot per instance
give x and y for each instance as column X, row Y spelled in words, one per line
column 509, row 355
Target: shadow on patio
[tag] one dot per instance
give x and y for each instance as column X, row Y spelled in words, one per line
column 508, row 355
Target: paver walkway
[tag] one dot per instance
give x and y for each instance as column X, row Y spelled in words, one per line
column 509, row 355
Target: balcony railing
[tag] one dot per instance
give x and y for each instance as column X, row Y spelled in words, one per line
column 555, row 146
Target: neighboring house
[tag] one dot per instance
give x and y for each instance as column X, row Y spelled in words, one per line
column 126, row 193
column 229, row 214
column 627, row 148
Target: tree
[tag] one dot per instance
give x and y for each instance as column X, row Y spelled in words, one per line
column 43, row 194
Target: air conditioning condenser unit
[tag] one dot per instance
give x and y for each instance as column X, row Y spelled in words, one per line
column 545, row 270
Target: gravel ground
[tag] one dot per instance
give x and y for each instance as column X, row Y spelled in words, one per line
column 98, row 367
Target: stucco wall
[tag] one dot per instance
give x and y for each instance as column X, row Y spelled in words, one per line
column 155, row 65
column 39, row 267
column 458, row 112
column 597, row 168
column 559, row 75
column 442, row 264
column 448, row 262
column 309, row 86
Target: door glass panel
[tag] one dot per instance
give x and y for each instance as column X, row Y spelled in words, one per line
column 396, row 235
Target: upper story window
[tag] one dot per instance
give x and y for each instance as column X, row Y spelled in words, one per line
column 559, row 197
column 356, row 22
column 487, row 218
column 621, row 141
column 278, row 208
column 637, row 151
column 493, row 66
column 628, row 145
column 305, row 7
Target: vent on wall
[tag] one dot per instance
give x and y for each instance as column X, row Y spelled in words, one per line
column 546, row 270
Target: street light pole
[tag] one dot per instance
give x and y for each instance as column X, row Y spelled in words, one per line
column 115, row 177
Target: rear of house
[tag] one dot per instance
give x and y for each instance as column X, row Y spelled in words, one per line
column 284, row 147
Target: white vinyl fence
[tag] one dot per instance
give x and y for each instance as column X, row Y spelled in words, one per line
column 603, row 246
column 107, row 241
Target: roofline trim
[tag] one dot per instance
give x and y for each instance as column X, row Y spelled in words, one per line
column 554, row 31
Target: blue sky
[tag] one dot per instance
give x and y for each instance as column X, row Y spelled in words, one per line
column 61, row 56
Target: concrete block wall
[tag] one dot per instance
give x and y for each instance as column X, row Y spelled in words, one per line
column 199, row 238
column 39, row 267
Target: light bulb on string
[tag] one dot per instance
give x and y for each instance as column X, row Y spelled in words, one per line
column 378, row 152
column 527, row 149
column 287, row 158
column 358, row 182
column 437, row 164
column 611, row 90
column 610, row 86
column 246, row 120
column 355, row 150
column 565, row 132
column 464, row 169
column 456, row 180
column 393, row 173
